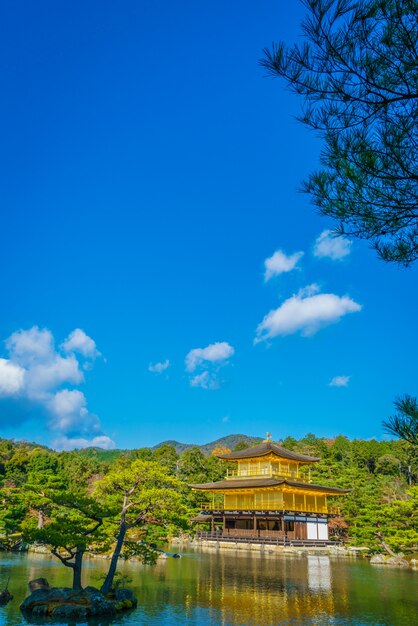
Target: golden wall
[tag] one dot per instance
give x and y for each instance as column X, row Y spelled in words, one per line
column 272, row 500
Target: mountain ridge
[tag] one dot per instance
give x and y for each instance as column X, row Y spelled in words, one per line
column 229, row 441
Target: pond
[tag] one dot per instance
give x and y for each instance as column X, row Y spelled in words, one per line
column 238, row 588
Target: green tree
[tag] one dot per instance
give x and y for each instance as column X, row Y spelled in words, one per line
column 143, row 453
column 71, row 527
column 12, row 510
column 167, row 456
column 80, row 469
column 193, row 466
column 6, row 452
column 16, row 466
column 399, row 526
column 387, row 464
column 240, row 445
column 289, row 443
column 404, row 424
column 357, row 74
column 312, row 446
column 137, row 493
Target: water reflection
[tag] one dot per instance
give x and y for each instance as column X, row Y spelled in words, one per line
column 237, row 588
column 267, row 590
column 319, row 573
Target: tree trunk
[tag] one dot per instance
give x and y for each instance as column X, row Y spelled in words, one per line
column 384, row 545
column 107, row 585
column 41, row 519
column 77, row 568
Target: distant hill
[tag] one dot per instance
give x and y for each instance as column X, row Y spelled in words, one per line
column 29, row 445
column 230, row 441
column 109, row 456
column 103, row 455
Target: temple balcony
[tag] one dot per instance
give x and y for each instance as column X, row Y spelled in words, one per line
column 266, row 473
column 262, row 537
column 213, row 508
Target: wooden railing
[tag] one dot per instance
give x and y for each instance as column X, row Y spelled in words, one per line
column 266, row 473
column 211, row 507
column 269, row 538
column 256, row 534
column 330, row 510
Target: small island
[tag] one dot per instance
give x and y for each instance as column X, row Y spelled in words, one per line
column 74, row 604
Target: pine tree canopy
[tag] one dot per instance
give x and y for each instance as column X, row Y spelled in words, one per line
column 357, row 72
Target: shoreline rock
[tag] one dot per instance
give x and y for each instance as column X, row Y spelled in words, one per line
column 62, row 603
column 386, row 559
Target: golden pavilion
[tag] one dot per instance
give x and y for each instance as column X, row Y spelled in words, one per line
column 269, row 495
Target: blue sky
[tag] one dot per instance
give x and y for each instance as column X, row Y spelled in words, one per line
column 149, row 169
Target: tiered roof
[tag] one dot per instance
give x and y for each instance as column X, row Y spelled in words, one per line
column 264, row 449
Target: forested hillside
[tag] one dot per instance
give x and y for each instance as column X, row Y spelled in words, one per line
column 230, row 441
column 382, row 477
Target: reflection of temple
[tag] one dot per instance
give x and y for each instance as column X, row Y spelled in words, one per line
column 319, row 573
column 269, row 496
column 268, row 590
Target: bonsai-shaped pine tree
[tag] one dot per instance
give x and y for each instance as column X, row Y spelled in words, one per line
column 61, row 516
column 136, row 493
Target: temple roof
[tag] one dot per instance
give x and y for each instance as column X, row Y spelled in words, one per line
column 249, row 483
column 265, row 448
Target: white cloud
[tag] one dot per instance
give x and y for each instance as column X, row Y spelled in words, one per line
column 45, row 369
column 27, row 346
column 35, row 374
column 309, row 290
column 68, row 408
column 46, row 375
column 205, row 380
column 279, row 263
column 305, row 314
column 78, row 341
column 340, row 381
column 225, row 419
column 215, row 352
column 332, row 246
column 70, row 443
column 158, row 368
column 11, row 378
column 208, row 361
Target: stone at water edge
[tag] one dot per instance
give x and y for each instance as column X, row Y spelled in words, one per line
column 126, row 595
column 38, row 583
column 67, row 603
column 5, row 597
column 384, row 559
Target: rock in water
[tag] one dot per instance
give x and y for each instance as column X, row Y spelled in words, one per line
column 126, row 597
column 66, row 603
column 5, row 597
column 38, row 583
column 384, row 559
